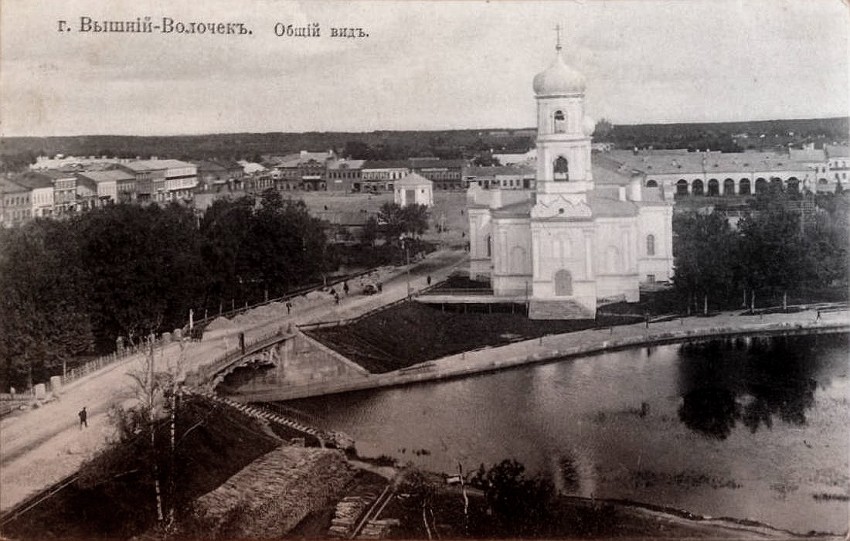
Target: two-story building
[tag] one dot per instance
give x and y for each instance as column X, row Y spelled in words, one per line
column 40, row 187
column 380, row 176
column 15, row 205
column 344, row 175
column 445, row 174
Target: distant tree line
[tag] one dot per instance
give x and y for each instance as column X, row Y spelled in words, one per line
column 776, row 250
column 71, row 287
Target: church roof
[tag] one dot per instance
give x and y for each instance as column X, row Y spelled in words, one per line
column 514, row 210
column 605, row 203
column 558, row 79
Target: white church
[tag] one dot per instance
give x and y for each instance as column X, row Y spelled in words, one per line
column 586, row 235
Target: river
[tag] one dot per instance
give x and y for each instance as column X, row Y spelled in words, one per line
column 745, row 428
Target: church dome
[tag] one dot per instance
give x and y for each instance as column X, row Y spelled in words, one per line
column 558, row 79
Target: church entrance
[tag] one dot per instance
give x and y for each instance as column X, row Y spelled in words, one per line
column 563, row 283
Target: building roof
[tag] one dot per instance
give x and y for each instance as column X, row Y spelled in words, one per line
column 605, row 202
column 113, row 175
column 7, row 186
column 837, row 151
column 346, row 164
column 501, row 170
column 157, row 165
column 688, row 163
column 386, row 164
column 33, row 181
column 425, row 163
column 521, row 209
column 558, row 79
column 412, row 179
column 807, row 154
column 56, row 174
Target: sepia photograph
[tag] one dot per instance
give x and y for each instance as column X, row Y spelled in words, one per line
column 423, row 270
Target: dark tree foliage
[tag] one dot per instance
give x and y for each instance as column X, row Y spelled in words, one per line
column 522, row 505
column 73, row 286
column 44, row 320
column 703, row 255
column 142, row 268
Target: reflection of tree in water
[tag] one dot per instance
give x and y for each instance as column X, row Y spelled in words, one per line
column 726, row 381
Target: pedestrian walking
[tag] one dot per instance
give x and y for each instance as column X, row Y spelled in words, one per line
column 345, row 287
column 336, row 298
column 818, row 318
column 83, row 418
column 428, row 280
column 288, row 307
column 380, row 287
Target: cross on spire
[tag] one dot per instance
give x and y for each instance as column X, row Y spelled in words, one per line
column 558, row 34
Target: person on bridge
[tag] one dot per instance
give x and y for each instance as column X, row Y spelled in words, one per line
column 345, row 287
column 83, row 418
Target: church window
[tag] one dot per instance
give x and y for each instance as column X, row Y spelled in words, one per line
column 561, row 169
column 489, row 246
column 563, row 283
column 650, row 245
column 651, row 184
column 560, row 122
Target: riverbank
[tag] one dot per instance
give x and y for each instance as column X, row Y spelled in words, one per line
column 554, row 347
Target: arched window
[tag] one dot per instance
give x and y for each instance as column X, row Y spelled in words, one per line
column 682, row 187
column 761, row 185
column 651, row 184
column 561, row 169
column 563, row 283
column 489, row 246
column 713, row 187
column 697, row 187
column 744, row 186
column 728, row 187
column 612, row 259
column 650, row 245
column 560, row 122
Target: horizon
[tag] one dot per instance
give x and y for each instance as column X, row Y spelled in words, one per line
column 426, row 66
column 206, row 134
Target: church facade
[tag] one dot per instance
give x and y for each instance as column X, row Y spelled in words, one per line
column 585, row 235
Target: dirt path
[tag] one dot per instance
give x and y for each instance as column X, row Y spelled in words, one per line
column 43, row 445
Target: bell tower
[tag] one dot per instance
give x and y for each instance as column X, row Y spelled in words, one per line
column 563, row 144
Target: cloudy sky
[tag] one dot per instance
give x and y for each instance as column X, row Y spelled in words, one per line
column 425, row 65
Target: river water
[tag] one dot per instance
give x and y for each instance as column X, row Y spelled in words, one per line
column 746, row 428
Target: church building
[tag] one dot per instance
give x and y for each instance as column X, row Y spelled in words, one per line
column 586, row 235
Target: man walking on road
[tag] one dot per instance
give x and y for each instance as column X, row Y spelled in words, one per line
column 83, row 416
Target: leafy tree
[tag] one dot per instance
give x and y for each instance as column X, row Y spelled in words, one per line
column 520, row 504
column 703, row 253
column 44, row 320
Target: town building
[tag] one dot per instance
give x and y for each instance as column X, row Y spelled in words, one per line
column 381, row 175
column 106, row 184
column 40, row 187
column 64, row 190
column 445, row 174
column 15, row 204
column 413, row 189
column 509, row 177
column 161, row 180
column 343, row 175
column 585, row 235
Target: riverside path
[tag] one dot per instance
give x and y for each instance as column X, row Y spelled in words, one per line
column 43, row 445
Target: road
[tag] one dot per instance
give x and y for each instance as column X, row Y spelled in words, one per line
column 40, row 446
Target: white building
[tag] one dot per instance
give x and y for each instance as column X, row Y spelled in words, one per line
column 414, row 189
column 585, row 233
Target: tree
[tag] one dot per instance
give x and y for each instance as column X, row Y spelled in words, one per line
column 44, row 320
column 520, row 504
column 703, row 250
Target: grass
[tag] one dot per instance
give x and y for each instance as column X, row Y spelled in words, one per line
column 411, row 333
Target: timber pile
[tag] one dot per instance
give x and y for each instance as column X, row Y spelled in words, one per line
column 348, row 512
column 273, row 494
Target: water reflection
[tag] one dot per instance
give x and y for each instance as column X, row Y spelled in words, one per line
column 752, row 381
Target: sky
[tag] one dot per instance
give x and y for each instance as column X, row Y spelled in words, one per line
column 424, row 65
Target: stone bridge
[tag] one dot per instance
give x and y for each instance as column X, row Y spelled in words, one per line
column 291, row 361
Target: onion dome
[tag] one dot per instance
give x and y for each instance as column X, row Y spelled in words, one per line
column 558, row 80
